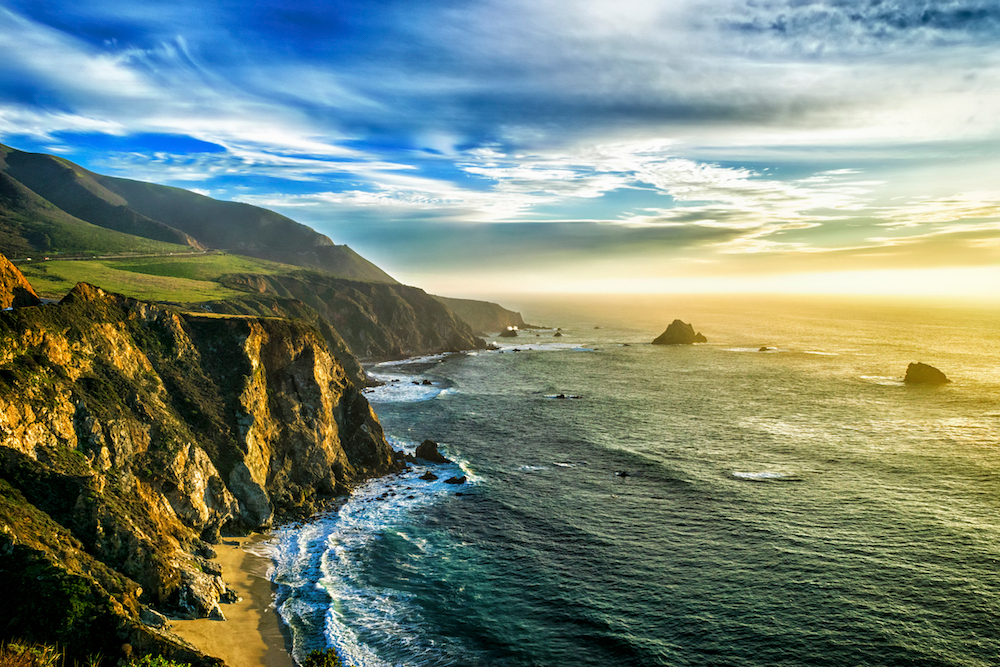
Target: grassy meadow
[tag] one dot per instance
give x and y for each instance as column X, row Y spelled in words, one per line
column 177, row 279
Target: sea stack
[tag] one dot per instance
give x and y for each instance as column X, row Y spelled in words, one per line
column 921, row 373
column 680, row 333
column 509, row 332
column 428, row 451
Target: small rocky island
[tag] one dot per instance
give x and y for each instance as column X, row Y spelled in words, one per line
column 679, row 333
column 921, row 373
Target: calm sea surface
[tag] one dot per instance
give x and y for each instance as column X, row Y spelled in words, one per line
column 703, row 505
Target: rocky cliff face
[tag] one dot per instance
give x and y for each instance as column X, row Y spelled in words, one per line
column 15, row 291
column 376, row 320
column 140, row 434
column 484, row 316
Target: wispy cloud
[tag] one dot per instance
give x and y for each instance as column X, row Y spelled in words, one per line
column 720, row 130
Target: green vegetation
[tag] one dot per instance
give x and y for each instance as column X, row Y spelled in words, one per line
column 55, row 278
column 180, row 278
column 35, row 654
column 49, row 204
column 30, row 654
column 209, row 266
column 156, row 661
column 327, row 658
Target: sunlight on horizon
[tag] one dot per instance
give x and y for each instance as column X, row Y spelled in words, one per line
column 975, row 284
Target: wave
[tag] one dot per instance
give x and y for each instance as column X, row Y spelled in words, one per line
column 539, row 347
column 323, row 596
column 764, row 476
column 402, row 392
column 426, row 359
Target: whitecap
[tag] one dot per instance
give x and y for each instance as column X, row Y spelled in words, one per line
column 760, row 476
column 563, row 465
column 820, row 353
column 537, row 347
column 427, row 359
column 320, row 561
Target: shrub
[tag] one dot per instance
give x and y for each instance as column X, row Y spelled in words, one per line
column 29, row 654
column 156, row 661
column 327, row 658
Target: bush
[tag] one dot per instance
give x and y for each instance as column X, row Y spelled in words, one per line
column 29, row 654
column 156, row 661
column 327, row 658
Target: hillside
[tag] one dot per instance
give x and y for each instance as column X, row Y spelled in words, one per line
column 50, row 204
column 132, row 436
column 356, row 319
column 484, row 317
column 377, row 321
column 30, row 225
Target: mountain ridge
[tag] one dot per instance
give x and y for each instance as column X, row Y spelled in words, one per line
column 161, row 213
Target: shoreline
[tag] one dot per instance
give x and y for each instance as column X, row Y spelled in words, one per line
column 253, row 632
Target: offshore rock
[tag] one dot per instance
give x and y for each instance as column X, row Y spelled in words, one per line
column 921, row 373
column 428, row 451
column 679, row 333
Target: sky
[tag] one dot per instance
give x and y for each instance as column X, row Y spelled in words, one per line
column 479, row 147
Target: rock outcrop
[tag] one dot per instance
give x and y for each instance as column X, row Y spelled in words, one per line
column 15, row 291
column 137, row 434
column 679, row 333
column 921, row 373
column 428, row 451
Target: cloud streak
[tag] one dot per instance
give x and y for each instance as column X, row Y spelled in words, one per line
column 722, row 132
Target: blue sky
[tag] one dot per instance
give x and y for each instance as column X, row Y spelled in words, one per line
column 483, row 147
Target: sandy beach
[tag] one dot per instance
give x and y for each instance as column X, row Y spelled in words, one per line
column 252, row 633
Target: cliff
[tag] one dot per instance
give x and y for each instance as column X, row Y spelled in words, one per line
column 132, row 435
column 375, row 320
column 484, row 316
column 15, row 290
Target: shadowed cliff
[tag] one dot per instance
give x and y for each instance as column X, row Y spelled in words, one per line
column 376, row 321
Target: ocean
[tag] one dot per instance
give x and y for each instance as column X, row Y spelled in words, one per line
column 682, row 505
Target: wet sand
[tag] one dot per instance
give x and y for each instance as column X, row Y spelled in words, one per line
column 252, row 633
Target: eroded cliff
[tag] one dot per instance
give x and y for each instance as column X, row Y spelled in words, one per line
column 140, row 433
column 376, row 320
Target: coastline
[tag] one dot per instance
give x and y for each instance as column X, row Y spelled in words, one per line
column 253, row 632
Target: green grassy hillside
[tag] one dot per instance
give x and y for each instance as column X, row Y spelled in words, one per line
column 31, row 225
column 43, row 192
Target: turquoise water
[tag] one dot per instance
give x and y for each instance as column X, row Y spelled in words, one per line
column 705, row 505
